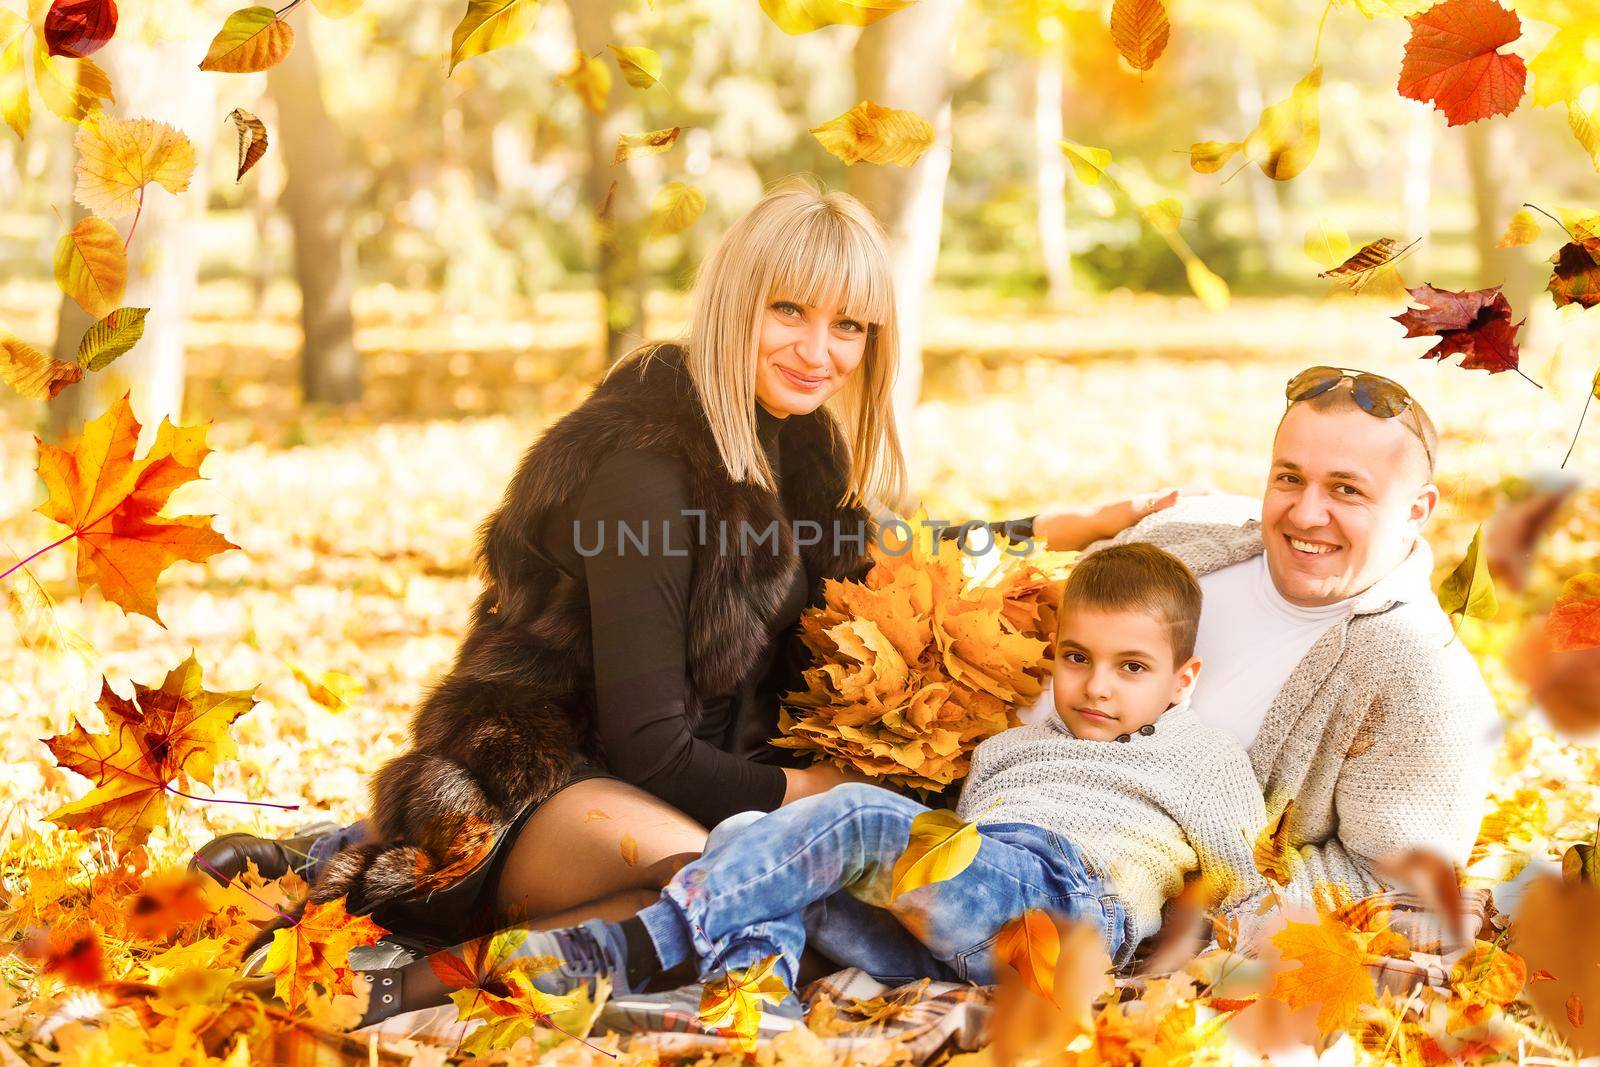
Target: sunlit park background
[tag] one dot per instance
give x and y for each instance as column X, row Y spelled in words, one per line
column 415, row 279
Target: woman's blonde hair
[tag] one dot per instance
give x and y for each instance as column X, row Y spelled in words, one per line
column 799, row 243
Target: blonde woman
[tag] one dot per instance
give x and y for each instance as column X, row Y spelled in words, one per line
column 623, row 669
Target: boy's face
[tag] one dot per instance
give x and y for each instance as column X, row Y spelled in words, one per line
column 1114, row 672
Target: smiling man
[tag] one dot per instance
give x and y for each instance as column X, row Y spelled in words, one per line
column 1325, row 650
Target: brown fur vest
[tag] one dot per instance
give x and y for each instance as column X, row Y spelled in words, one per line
column 516, row 710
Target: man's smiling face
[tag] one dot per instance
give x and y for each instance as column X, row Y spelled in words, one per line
column 1347, row 496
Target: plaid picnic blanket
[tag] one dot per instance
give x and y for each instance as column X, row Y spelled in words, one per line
column 853, row 1014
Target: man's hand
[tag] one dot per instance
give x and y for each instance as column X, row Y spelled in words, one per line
column 1065, row 531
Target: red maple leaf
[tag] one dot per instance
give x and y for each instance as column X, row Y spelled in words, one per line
column 1451, row 60
column 1476, row 323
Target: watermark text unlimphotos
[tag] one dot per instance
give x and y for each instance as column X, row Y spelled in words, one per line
column 892, row 538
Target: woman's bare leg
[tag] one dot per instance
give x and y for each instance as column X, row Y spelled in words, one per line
column 592, row 840
column 599, row 849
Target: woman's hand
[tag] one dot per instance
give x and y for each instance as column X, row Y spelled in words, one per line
column 1064, row 531
column 818, row 778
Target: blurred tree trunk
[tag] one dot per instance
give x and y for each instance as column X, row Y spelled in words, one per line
column 1050, row 168
column 1418, row 186
column 262, row 202
column 903, row 62
column 617, row 268
column 316, row 200
column 1495, row 172
column 161, row 81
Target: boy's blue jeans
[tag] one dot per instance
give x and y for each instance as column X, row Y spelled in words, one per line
column 822, row 868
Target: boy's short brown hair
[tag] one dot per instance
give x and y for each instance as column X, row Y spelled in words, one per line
column 1139, row 577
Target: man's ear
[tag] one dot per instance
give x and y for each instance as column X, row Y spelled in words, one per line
column 1423, row 505
column 1183, row 684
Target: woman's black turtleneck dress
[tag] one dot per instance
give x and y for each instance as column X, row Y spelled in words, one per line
column 712, row 760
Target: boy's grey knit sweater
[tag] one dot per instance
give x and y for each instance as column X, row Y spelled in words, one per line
column 1143, row 812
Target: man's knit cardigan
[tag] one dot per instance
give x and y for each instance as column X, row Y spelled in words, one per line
column 1383, row 734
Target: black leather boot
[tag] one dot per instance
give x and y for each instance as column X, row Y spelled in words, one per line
column 225, row 858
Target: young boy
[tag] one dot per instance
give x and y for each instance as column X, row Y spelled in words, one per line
column 1096, row 815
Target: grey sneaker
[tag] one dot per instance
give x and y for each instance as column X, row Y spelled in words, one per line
column 591, row 950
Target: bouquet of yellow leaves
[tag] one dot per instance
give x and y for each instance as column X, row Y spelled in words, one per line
column 936, row 650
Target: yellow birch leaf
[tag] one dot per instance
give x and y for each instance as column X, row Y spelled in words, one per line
column 1327, row 245
column 1164, row 214
column 1521, row 230
column 251, row 39
column 1568, row 64
column 1208, row 157
column 333, row 690
column 675, row 208
column 871, row 133
column 14, row 105
column 941, row 847
column 337, row 9
column 110, row 338
column 1386, row 283
column 72, row 88
column 33, row 373
column 803, row 16
column 1212, row 290
column 1469, row 590
column 1286, row 137
column 1088, row 162
column 119, row 157
column 652, row 143
column 589, row 78
column 91, row 266
column 641, row 67
column 1140, row 29
column 1583, row 116
column 490, row 24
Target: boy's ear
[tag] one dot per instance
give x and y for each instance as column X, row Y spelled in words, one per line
column 1183, row 683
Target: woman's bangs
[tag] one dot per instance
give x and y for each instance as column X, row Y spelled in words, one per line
column 826, row 256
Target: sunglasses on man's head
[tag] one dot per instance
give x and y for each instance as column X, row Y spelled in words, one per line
column 1376, row 395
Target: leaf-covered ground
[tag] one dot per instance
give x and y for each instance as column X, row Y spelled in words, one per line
column 357, row 528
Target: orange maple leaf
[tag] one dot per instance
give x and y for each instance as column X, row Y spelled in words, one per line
column 1452, row 60
column 1332, row 973
column 112, row 503
column 1031, row 944
column 316, row 950
column 1574, row 622
column 151, row 744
